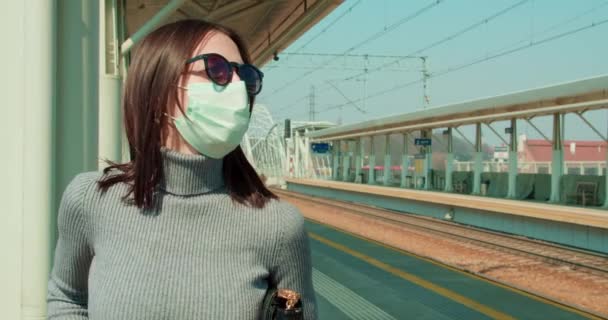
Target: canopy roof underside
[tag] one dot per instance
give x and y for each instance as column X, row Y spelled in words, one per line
column 267, row 26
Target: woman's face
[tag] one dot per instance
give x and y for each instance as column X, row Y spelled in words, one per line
column 214, row 42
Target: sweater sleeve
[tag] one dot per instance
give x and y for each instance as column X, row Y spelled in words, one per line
column 294, row 270
column 67, row 294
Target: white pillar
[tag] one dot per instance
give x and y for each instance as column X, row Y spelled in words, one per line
column 386, row 178
column 513, row 171
column 358, row 159
column 110, row 83
column 27, row 188
column 308, row 170
column 346, row 161
column 296, row 154
column 336, row 159
column 428, row 160
column 405, row 161
column 449, row 166
column 558, row 160
column 372, row 162
column 478, row 167
column 38, row 157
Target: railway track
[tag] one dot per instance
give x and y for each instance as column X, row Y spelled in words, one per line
column 551, row 253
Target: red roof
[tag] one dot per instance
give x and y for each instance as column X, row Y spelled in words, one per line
column 541, row 150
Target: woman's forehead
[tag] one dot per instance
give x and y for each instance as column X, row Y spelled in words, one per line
column 218, row 42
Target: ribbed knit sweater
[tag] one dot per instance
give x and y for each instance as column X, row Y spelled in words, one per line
column 196, row 255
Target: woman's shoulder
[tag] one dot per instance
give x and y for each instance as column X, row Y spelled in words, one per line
column 74, row 198
column 82, row 182
column 84, row 186
column 286, row 213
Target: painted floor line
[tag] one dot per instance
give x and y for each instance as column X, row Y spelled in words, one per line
column 481, row 308
column 346, row 300
column 520, row 291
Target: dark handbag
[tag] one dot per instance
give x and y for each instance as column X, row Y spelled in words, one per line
column 282, row 304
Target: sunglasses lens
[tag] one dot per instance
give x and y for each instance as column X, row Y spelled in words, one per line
column 252, row 78
column 218, row 69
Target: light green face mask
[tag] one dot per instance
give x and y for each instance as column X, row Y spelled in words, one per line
column 218, row 117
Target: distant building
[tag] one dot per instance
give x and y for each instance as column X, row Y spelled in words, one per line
column 580, row 156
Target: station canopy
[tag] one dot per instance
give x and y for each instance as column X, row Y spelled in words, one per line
column 267, row 26
column 575, row 96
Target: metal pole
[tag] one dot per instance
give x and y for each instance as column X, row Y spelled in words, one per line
column 428, row 160
column 557, row 165
column 425, row 78
column 365, row 84
column 296, row 154
column 346, row 161
column 336, row 159
column 358, row 159
column 449, row 162
column 477, row 169
column 151, row 24
column 512, row 185
column 372, row 163
column 306, row 147
column 311, row 104
column 387, row 160
column 538, row 130
column 405, row 161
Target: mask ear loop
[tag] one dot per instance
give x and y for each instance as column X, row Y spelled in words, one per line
column 170, row 116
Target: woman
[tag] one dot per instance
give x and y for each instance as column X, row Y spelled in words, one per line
column 186, row 229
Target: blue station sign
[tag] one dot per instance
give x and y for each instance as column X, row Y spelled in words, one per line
column 320, row 147
column 422, row 142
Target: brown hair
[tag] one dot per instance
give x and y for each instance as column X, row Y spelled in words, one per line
column 148, row 91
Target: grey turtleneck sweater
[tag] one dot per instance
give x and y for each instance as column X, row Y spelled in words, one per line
column 196, row 255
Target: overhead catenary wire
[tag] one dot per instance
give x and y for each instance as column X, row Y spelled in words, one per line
column 474, row 62
column 526, row 46
column 384, row 31
column 432, row 45
column 451, row 36
column 558, row 25
column 325, row 88
column 343, row 67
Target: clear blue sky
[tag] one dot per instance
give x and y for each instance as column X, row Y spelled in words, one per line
column 570, row 58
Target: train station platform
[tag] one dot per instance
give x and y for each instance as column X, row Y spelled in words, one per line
column 357, row 278
column 577, row 227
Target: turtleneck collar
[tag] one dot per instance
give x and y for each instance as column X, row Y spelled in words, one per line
column 188, row 174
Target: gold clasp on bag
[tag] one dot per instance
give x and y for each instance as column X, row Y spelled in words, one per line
column 290, row 296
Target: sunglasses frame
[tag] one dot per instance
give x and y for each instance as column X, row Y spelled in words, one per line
column 232, row 65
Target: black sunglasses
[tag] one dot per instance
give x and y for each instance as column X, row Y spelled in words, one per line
column 219, row 70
